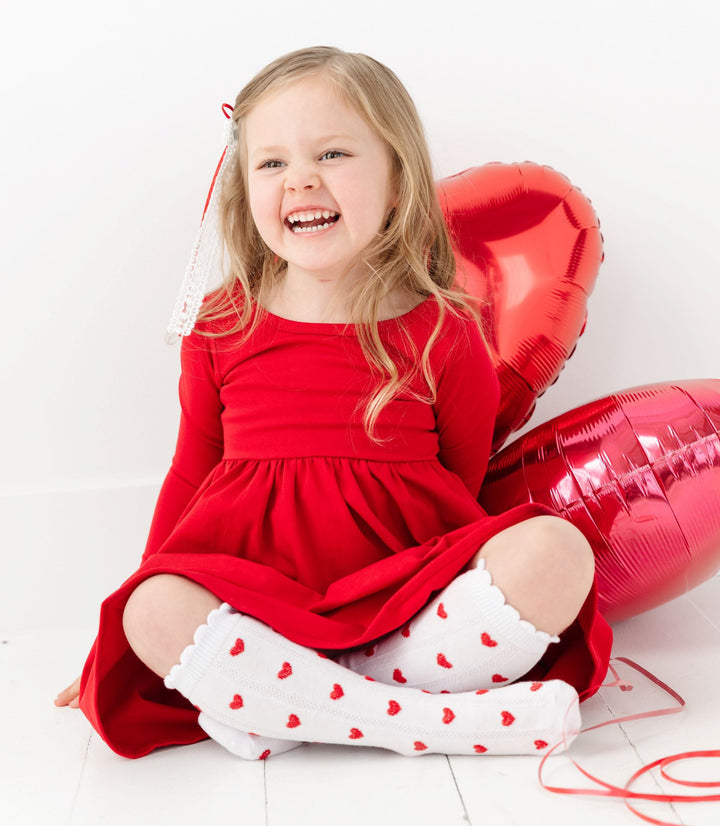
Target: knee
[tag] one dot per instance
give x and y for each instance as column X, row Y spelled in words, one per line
column 545, row 567
column 560, row 564
column 161, row 616
column 561, row 553
column 145, row 608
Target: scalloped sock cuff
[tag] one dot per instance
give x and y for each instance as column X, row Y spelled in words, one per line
column 466, row 638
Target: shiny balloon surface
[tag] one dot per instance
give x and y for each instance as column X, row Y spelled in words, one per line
column 528, row 245
column 638, row 473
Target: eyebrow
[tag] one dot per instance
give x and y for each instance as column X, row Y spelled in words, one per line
column 323, row 139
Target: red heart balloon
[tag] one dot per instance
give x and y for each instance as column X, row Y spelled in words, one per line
column 638, row 473
column 528, row 245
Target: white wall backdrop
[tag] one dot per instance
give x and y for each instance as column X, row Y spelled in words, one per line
column 111, row 131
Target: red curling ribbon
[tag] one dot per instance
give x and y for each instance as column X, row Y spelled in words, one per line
column 227, row 110
column 698, row 784
column 625, row 793
column 212, row 185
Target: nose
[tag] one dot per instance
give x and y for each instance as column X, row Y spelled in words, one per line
column 301, row 177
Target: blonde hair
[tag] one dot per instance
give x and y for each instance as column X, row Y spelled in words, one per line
column 411, row 255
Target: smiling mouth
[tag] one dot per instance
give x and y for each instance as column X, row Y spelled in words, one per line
column 314, row 221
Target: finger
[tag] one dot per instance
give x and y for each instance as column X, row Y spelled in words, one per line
column 68, row 698
column 63, row 698
column 68, row 694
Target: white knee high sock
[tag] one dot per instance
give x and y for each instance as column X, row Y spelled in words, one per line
column 243, row 744
column 467, row 638
column 242, row 674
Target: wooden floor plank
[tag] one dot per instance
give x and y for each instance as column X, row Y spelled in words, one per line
column 705, row 599
column 183, row 785
column 322, row 785
column 53, row 773
column 506, row 791
column 42, row 748
column 680, row 644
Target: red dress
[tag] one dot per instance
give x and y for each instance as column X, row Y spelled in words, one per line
column 279, row 503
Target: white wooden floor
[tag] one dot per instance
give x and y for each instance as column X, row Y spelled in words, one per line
column 54, row 771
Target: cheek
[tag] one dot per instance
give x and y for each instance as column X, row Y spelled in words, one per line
column 368, row 196
column 262, row 201
column 264, row 216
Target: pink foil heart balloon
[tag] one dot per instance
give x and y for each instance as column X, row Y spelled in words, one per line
column 528, row 245
column 638, row 473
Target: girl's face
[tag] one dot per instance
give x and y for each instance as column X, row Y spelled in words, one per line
column 319, row 179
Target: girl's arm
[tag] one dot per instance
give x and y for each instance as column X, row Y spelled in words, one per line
column 200, row 439
column 468, row 395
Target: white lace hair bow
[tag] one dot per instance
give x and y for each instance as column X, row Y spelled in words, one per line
column 207, row 243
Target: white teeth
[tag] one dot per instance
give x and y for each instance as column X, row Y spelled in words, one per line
column 310, row 229
column 311, row 216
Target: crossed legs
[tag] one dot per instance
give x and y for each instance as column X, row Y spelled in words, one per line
column 543, row 568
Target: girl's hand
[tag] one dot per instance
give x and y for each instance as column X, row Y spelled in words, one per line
column 69, row 696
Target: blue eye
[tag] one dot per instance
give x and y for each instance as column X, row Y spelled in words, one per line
column 332, row 153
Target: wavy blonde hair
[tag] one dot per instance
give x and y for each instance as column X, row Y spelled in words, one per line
column 412, row 255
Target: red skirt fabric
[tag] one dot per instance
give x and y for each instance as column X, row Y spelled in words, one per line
column 279, row 504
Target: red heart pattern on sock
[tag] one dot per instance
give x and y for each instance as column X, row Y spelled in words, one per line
column 398, row 676
column 430, row 723
column 428, row 715
column 368, row 677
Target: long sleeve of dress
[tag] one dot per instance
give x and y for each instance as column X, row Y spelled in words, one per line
column 200, row 439
column 468, row 395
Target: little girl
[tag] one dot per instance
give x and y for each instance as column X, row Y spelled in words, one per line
column 318, row 567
